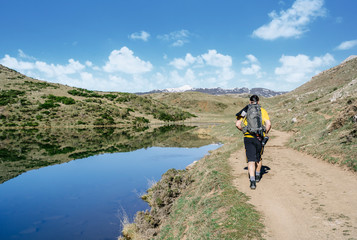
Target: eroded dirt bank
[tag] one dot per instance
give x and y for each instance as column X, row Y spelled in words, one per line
column 300, row 197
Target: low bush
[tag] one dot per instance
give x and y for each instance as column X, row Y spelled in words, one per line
column 9, row 96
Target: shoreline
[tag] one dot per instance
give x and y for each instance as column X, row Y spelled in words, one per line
column 199, row 201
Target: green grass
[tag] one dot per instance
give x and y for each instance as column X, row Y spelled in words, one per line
column 211, row 207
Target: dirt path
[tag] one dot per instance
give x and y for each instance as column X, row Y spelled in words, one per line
column 300, row 197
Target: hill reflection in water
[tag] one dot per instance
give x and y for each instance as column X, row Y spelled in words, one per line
column 82, row 199
column 25, row 149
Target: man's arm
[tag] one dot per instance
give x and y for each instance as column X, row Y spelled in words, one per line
column 267, row 125
column 239, row 125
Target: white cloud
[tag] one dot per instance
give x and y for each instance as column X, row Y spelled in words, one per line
column 24, row 55
column 135, row 83
column 13, row 63
column 347, row 45
column 254, row 68
column 176, row 80
column 251, row 59
column 292, row 22
column 225, row 75
column 124, row 71
column 123, row 60
column 140, row 35
column 211, row 58
column 177, row 38
column 300, row 68
column 215, row 59
column 52, row 70
column 86, row 76
column 210, row 69
column 89, row 64
column 181, row 63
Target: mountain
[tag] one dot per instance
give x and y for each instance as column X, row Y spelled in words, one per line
column 218, row 91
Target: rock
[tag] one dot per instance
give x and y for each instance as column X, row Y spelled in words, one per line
column 294, row 120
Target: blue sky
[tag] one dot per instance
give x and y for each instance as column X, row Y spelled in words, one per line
column 141, row 45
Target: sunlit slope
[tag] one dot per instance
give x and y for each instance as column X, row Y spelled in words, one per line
column 27, row 102
column 322, row 113
column 209, row 108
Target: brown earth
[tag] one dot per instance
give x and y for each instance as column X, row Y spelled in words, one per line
column 299, row 196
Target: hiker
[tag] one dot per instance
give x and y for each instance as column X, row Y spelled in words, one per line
column 254, row 122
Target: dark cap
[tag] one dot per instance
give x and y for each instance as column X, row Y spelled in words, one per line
column 254, row 98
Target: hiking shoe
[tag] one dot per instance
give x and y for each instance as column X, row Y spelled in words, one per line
column 257, row 178
column 252, row 185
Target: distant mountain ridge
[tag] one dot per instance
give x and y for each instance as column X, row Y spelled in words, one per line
column 219, row 91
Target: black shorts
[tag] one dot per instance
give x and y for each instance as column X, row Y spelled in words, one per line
column 253, row 149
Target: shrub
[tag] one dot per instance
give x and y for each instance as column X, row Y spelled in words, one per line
column 30, row 124
column 111, row 97
column 9, row 96
column 39, row 85
column 99, row 121
column 64, row 100
column 48, row 104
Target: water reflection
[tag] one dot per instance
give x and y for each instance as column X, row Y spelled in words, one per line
column 26, row 149
column 81, row 199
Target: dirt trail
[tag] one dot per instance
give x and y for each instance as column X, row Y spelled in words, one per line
column 300, row 197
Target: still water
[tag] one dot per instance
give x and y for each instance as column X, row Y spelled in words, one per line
column 86, row 198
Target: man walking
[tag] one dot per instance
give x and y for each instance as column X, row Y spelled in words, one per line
column 254, row 122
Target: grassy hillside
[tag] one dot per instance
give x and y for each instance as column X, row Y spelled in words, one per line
column 27, row 102
column 323, row 115
column 208, row 108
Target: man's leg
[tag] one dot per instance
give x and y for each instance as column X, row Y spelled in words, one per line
column 251, row 169
column 250, row 152
column 251, row 157
column 260, row 163
column 259, row 166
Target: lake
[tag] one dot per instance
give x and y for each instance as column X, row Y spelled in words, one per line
column 86, row 198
